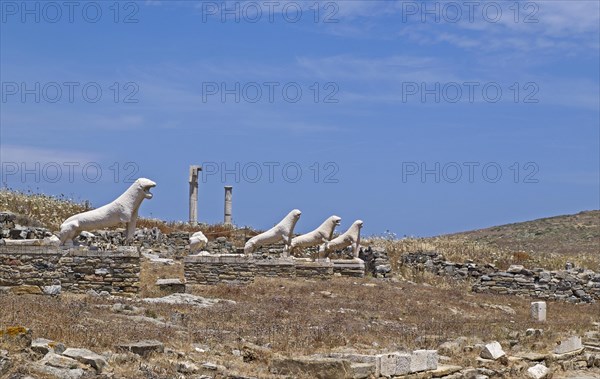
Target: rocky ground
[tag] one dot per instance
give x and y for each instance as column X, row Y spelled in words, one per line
column 273, row 327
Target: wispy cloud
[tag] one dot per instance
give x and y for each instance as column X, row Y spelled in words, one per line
column 33, row 154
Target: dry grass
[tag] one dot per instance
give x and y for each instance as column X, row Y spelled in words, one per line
column 460, row 249
column 34, row 209
column 561, row 235
column 151, row 272
column 293, row 317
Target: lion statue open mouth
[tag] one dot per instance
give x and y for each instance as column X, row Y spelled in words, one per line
column 123, row 210
column 350, row 238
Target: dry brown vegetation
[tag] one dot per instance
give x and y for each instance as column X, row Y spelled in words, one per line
column 34, row 209
column 460, row 248
column 299, row 317
column 563, row 235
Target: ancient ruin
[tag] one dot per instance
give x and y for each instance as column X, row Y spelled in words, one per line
column 350, row 238
column 323, row 234
column 282, row 232
column 197, row 242
column 122, row 210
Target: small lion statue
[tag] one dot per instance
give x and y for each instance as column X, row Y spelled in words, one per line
column 197, row 242
column 322, row 234
column 282, row 232
column 350, row 238
column 122, row 210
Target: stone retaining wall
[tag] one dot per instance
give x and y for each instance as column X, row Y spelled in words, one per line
column 113, row 271
column 236, row 268
column 574, row 285
column 75, row 270
column 29, row 265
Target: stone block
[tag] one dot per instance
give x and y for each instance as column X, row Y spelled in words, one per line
column 171, row 285
column 391, row 364
column 143, row 348
column 87, row 357
column 492, row 350
column 538, row 371
column 569, row 345
column 362, row 370
column 320, row 368
column 423, row 360
column 538, row 310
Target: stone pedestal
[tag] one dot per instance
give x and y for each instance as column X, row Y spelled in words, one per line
column 538, row 310
column 349, row 267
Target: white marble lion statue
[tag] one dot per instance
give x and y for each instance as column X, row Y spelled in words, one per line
column 322, row 234
column 122, row 210
column 282, row 232
column 198, row 241
column 350, row 238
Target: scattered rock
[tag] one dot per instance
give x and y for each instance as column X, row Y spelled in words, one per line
column 53, row 290
column 493, row 351
column 187, row 368
column 320, row 368
column 531, row 332
column 44, row 346
column 185, row 299
column 538, row 371
column 171, row 285
column 16, row 338
column 60, row 361
column 143, row 348
column 56, row 373
column 86, row 356
column 569, row 345
column 5, row 362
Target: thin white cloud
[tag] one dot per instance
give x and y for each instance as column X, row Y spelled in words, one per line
column 68, row 121
column 31, row 155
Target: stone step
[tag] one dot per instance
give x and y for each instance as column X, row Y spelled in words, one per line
column 592, row 348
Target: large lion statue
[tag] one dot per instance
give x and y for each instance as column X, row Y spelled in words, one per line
column 282, row 232
column 322, row 234
column 122, row 210
column 350, row 238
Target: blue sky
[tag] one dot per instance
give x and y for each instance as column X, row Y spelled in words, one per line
column 421, row 118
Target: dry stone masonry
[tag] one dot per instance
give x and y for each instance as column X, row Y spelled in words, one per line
column 37, row 269
column 573, row 285
column 208, row 268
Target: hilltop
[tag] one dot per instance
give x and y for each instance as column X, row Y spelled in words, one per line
column 566, row 234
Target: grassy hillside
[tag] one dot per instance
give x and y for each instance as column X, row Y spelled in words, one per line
column 568, row 235
column 548, row 243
